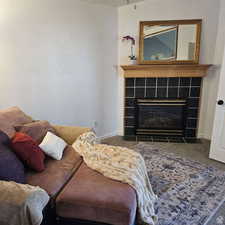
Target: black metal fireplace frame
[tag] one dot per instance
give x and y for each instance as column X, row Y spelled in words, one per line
column 166, row 100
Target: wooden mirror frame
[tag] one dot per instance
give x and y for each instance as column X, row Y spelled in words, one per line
column 198, row 22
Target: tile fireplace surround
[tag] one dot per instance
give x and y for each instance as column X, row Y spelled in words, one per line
column 188, row 88
column 163, row 82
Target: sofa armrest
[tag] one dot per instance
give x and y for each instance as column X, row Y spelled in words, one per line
column 21, row 202
column 70, row 133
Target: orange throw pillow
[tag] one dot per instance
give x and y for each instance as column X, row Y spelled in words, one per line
column 28, row 151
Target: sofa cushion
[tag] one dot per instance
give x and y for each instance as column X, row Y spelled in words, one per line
column 56, row 173
column 37, row 129
column 70, row 133
column 12, row 117
column 91, row 196
column 11, row 168
column 28, row 151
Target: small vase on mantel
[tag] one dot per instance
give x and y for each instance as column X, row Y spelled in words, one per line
column 133, row 61
column 132, row 57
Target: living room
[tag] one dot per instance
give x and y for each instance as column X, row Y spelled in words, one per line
column 67, row 62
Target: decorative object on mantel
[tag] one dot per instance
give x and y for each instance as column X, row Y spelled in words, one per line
column 132, row 56
column 180, row 70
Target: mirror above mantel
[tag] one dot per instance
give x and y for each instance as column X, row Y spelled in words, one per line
column 170, row 42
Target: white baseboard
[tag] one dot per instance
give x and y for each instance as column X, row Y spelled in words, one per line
column 107, row 136
column 120, row 132
column 203, row 136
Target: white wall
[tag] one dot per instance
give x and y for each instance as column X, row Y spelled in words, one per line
column 57, row 61
column 57, row 57
column 207, row 10
column 210, row 91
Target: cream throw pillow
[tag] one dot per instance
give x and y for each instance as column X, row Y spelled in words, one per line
column 53, row 146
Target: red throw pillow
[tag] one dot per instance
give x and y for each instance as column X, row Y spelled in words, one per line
column 28, row 151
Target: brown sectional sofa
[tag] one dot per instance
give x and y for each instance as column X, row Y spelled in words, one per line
column 79, row 195
column 91, row 196
column 57, row 173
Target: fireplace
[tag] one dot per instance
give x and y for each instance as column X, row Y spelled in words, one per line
column 162, row 82
column 158, row 117
column 163, row 95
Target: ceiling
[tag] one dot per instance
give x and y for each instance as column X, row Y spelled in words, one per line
column 115, row 3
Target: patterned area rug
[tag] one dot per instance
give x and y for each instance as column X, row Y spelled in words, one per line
column 189, row 193
column 218, row 217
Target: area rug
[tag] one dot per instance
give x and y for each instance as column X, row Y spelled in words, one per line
column 189, row 193
column 218, row 217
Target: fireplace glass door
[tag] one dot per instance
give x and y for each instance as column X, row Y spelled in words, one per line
column 160, row 117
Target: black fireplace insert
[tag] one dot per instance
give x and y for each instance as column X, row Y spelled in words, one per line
column 160, row 117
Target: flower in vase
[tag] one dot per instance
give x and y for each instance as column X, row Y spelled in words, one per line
column 129, row 38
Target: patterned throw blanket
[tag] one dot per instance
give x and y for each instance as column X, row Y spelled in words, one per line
column 21, row 204
column 121, row 164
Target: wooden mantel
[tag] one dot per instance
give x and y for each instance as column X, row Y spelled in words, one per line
column 192, row 70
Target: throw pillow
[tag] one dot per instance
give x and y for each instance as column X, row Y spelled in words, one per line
column 12, row 117
column 11, row 168
column 4, row 139
column 37, row 130
column 53, row 146
column 28, row 151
